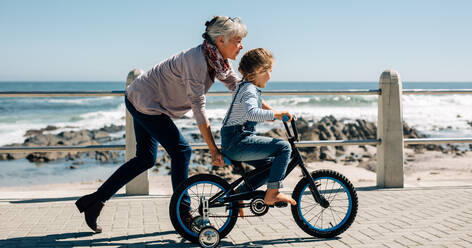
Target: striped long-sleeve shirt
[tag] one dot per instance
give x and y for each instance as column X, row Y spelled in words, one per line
column 247, row 106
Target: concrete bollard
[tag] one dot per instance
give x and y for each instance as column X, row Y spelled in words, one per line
column 390, row 132
column 140, row 184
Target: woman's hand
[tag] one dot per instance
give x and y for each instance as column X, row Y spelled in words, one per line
column 217, row 158
column 280, row 115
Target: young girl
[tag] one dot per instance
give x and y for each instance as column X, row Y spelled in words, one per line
column 239, row 141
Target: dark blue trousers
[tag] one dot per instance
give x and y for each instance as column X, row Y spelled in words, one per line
column 150, row 130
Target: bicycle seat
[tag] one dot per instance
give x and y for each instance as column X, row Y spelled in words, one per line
column 227, row 160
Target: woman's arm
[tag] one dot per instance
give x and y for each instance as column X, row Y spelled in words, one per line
column 197, row 97
column 231, row 81
column 217, row 158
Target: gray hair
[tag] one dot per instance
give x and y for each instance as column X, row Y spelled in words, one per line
column 224, row 26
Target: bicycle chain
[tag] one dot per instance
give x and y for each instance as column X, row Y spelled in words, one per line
column 317, row 184
column 223, row 216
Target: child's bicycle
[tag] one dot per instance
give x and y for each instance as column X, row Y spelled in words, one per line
column 326, row 201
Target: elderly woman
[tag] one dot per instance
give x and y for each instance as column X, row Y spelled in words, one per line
column 169, row 90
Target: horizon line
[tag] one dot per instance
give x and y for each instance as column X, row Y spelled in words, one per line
column 304, row 81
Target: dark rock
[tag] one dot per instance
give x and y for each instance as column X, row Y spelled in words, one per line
column 274, row 133
column 112, row 128
column 201, row 156
column 328, row 153
column 411, row 133
column 369, row 165
column 41, row 157
column 163, row 160
column 196, row 136
column 100, row 135
column 197, row 170
column 106, row 156
column 226, row 172
column 67, row 138
column 33, row 132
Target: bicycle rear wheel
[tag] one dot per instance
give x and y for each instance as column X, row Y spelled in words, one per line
column 337, row 217
column 221, row 218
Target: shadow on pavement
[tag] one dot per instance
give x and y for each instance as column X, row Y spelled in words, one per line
column 86, row 239
column 285, row 241
column 72, row 198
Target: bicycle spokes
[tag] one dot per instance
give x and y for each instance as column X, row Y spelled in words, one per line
column 200, row 193
column 325, row 218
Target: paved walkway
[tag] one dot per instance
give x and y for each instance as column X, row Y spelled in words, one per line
column 410, row 217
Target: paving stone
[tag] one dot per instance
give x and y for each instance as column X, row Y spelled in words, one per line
column 386, row 218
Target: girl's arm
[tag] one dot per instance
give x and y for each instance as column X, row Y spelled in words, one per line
column 266, row 106
column 277, row 114
column 249, row 101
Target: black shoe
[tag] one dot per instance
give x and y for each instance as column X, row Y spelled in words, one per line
column 84, row 202
column 91, row 205
column 91, row 216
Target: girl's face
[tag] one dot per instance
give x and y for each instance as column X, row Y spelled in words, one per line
column 262, row 77
column 230, row 49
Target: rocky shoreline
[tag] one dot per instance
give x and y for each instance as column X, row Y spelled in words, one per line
column 35, row 138
column 328, row 128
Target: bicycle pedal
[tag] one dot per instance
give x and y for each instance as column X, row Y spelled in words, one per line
column 279, row 205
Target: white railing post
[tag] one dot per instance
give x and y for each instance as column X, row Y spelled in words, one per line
column 140, row 184
column 390, row 131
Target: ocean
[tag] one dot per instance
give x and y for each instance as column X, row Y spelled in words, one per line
column 433, row 115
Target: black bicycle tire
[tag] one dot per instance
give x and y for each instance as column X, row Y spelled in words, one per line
column 175, row 197
column 301, row 185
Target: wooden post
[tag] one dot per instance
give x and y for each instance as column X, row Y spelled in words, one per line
column 390, row 132
column 140, row 184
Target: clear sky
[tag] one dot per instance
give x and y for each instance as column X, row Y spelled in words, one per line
column 424, row 40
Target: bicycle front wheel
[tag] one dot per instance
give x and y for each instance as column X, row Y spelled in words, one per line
column 223, row 217
column 328, row 222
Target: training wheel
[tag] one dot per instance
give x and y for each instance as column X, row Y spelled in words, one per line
column 209, row 237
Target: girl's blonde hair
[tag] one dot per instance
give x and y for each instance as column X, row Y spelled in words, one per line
column 253, row 60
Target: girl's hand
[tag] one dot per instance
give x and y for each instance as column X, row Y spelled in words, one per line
column 279, row 115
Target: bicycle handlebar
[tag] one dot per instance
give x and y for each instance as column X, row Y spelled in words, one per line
column 285, row 119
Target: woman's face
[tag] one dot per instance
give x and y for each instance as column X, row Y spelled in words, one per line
column 230, row 49
column 262, row 77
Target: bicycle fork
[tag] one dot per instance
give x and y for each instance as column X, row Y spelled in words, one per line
column 313, row 188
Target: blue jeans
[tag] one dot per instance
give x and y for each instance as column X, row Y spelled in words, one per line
column 243, row 145
column 149, row 131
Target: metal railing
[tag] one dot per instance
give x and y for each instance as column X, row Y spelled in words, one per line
column 193, row 145
column 389, row 122
column 29, row 94
column 224, row 93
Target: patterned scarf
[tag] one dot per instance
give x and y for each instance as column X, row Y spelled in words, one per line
column 216, row 61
